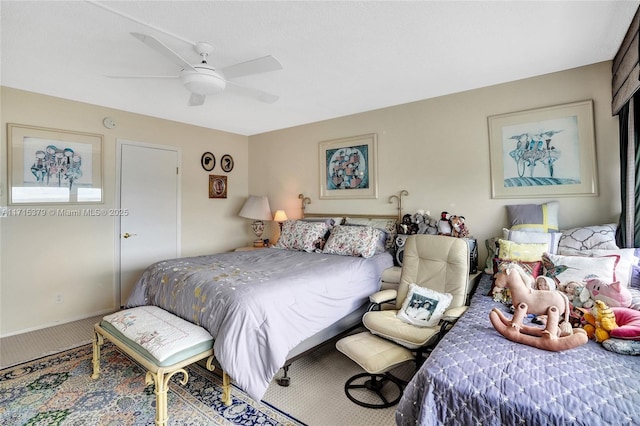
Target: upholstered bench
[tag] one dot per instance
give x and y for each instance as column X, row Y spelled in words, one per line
column 376, row 356
column 162, row 343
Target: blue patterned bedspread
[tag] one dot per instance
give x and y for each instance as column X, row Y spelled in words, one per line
column 477, row 377
column 260, row 304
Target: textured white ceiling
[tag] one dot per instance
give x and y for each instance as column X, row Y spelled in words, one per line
column 339, row 58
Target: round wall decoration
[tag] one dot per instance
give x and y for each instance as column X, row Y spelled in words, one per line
column 208, row 161
column 226, row 162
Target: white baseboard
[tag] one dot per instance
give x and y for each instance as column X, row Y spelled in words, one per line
column 65, row 321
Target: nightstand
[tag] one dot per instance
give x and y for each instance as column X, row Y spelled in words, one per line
column 248, row 248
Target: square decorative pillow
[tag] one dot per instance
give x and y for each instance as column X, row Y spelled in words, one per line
column 424, row 307
column 353, row 241
column 387, row 225
column 589, row 237
column 534, row 217
column 381, row 243
column 527, row 252
column 579, row 268
column 550, row 238
column 301, row 236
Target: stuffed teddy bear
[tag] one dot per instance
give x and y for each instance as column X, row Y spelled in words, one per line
column 458, row 227
column 527, row 300
column 613, row 294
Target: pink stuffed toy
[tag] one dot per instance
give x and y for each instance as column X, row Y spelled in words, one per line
column 613, row 294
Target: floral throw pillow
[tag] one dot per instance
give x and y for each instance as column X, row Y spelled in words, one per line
column 302, row 236
column 353, row 241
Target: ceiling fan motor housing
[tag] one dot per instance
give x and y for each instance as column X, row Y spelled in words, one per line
column 204, row 81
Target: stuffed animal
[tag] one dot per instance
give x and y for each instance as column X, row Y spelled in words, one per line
column 579, row 295
column 458, row 227
column 444, row 226
column 613, row 294
column 599, row 322
column 526, row 300
column 405, row 226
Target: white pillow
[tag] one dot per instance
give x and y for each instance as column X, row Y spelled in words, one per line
column 550, row 238
column 588, row 237
column 424, row 307
column 580, row 268
column 625, row 266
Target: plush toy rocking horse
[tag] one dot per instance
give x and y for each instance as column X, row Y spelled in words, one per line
column 555, row 336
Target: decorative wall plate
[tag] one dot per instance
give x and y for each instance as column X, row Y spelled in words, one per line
column 208, row 161
column 226, row 162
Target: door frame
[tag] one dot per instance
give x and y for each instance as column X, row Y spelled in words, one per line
column 120, row 142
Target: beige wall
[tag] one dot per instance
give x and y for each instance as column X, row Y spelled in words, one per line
column 438, row 150
column 76, row 256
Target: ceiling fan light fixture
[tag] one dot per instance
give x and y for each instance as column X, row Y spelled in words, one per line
column 203, row 81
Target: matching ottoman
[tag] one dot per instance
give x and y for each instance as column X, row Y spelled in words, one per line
column 162, row 343
column 376, row 356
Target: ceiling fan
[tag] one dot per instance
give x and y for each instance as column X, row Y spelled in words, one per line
column 202, row 79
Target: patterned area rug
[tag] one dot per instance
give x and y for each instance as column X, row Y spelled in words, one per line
column 58, row 390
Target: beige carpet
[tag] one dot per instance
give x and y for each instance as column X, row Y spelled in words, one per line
column 315, row 396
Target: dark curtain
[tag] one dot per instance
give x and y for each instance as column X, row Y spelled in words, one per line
column 628, row 234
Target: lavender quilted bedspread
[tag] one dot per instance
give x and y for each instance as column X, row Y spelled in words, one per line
column 260, row 304
column 477, row 377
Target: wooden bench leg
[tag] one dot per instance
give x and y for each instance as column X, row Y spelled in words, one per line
column 97, row 342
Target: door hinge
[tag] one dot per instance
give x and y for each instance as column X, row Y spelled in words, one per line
column 177, row 172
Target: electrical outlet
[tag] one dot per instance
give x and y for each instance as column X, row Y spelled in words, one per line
column 59, row 298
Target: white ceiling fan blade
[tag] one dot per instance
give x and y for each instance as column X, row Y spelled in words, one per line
column 260, row 95
column 196, row 99
column 161, row 48
column 254, row 66
column 172, row 77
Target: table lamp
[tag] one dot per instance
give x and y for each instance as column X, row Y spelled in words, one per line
column 280, row 217
column 257, row 208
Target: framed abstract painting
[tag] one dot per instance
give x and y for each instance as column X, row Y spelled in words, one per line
column 51, row 166
column 544, row 152
column 348, row 167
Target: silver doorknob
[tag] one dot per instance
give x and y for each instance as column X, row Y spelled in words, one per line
column 127, row 235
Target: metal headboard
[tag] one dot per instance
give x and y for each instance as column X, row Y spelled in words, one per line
column 394, row 198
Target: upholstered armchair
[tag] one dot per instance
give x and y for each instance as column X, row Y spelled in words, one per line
column 434, row 262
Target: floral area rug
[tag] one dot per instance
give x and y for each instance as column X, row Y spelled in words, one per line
column 58, row 390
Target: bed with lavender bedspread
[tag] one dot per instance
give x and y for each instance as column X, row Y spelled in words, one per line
column 476, row 376
column 260, row 304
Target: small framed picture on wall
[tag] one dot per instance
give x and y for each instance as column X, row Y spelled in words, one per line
column 217, row 186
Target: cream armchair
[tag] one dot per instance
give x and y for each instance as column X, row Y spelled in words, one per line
column 436, row 262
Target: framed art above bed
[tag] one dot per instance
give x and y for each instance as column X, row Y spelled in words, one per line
column 543, row 152
column 348, row 167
